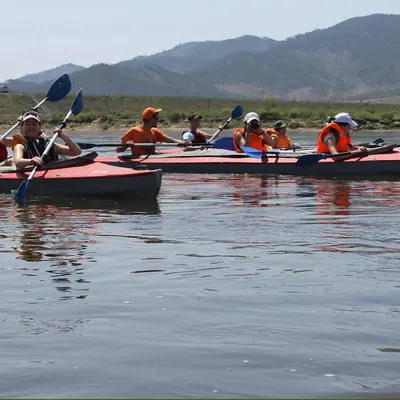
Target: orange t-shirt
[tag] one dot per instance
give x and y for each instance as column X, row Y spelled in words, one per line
column 138, row 134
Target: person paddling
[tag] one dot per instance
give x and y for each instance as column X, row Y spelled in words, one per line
column 194, row 134
column 147, row 132
column 31, row 143
column 252, row 135
column 335, row 136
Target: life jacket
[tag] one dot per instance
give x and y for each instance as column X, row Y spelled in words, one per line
column 282, row 142
column 36, row 147
column 256, row 141
column 3, row 152
column 199, row 137
column 343, row 144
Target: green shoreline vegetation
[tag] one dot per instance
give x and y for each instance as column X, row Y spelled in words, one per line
column 121, row 112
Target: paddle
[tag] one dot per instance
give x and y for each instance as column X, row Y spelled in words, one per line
column 307, row 160
column 255, row 153
column 235, row 114
column 225, row 143
column 77, row 105
column 58, row 90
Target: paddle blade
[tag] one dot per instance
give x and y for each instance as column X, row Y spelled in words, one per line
column 20, row 195
column 237, row 112
column 251, row 152
column 307, row 160
column 59, row 89
column 225, row 143
column 379, row 141
column 77, row 104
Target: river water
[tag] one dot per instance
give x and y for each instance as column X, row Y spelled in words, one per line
column 227, row 286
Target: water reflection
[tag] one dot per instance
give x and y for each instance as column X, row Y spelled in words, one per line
column 60, row 232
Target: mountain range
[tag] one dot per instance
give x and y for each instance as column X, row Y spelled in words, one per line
column 351, row 61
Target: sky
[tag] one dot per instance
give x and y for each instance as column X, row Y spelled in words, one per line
column 44, row 34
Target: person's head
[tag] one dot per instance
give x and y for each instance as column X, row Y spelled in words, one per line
column 150, row 116
column 345, row 121
column 252, row 123
column 30, row 124
column 194, row 120
column 280, row 127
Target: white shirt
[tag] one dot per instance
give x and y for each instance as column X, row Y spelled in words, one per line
column 328, row 136
column 188, row 136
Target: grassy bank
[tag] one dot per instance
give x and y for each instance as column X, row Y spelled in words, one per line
column 120, row 112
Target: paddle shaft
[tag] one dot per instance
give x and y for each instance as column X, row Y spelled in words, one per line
column 219, row 130
column 53, row 139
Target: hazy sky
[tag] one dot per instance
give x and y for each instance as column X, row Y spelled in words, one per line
column 43, row 34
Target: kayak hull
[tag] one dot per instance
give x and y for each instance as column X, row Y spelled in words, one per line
column 86, row 179
column 373, row 165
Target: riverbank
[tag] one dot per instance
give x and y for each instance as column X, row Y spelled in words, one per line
column 118, row 113
column 173, row 128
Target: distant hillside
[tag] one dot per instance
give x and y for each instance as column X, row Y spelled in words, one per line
column 351, row 61
column 51, row 74
column 139, row 81
column 195, row 55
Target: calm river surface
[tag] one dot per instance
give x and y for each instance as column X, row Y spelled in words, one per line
column 227, row 286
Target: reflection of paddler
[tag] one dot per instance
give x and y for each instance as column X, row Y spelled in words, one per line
column 333, row 197
column 252, row 190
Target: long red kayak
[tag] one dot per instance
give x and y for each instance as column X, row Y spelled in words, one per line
column 81, row 176
column 381, row 161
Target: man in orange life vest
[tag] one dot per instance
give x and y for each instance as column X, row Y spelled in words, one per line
column 194, row 134
column 147, row 132
column 252, row 135
column 335, row 136
column 281, row 140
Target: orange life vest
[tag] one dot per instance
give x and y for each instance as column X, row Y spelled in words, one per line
column 3, row 152
column 256, row 141
column 343, row 144
column 282, row 142
column 35, row 147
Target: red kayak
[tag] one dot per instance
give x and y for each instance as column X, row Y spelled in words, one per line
column 384, row 160
column 81, row 176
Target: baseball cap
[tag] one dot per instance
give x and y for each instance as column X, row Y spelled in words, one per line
column 251, row 116
column 30, row 114
column 279, row 125
column 149, row 112
column 345, row 118
column 193, row 116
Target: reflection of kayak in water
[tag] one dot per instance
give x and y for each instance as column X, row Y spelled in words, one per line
column 378, row 161
column 81, row 176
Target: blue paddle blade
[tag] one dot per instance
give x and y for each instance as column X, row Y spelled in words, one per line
column 21, row 193
column 237, row 112
column 306, row 160
column 59, row 89
column 77, row 104
column 225, row 143
column 378, row 141
column 251, row 152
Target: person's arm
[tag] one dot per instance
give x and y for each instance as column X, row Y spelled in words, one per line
column 167, row 139
column 125, row 139
column 70, row 148
column 21, row 162
column 207, row 135
column 273, row 138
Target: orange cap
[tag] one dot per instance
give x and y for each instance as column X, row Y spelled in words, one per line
column 149, row 112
